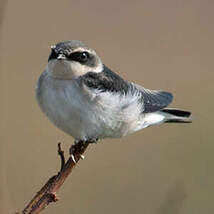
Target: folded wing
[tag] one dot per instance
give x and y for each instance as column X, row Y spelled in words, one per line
column 153, row 100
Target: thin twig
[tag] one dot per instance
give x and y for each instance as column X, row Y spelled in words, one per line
column 47, row 194
column 62, row 157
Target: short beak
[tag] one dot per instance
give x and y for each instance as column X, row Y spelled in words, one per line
column 61, row 56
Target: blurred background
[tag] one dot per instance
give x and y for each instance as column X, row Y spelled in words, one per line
column 164, row 44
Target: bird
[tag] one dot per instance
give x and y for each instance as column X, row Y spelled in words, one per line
column 87, row 100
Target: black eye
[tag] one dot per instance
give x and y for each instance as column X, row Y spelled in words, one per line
column 79, row 56
column 83, row 56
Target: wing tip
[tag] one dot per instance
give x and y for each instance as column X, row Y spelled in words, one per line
column 167, row 96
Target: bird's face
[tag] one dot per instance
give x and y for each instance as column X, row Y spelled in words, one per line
column 72, row 59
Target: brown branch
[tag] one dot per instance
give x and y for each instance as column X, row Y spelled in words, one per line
column 47, row 194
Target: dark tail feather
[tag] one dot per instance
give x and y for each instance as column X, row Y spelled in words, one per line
column 177, row 116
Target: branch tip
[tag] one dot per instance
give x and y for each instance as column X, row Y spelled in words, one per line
column 62, row 157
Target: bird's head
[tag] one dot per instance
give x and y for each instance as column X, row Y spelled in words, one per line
column 71, row 59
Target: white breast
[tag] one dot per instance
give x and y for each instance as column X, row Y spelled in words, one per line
column 66, row 107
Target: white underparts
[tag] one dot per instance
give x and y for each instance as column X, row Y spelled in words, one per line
column 153, row 118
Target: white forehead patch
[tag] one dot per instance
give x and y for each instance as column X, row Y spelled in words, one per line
column 81, row 49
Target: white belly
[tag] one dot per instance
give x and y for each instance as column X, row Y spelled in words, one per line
column 84, row 115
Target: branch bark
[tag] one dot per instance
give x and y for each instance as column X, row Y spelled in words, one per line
column 47, row 193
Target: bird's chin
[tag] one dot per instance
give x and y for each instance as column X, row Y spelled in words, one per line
column 60, row 69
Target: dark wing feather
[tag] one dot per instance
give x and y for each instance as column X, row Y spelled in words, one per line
column 154, row 100
column 106, row 81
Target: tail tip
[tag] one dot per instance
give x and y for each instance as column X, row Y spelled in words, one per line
column 178, row 116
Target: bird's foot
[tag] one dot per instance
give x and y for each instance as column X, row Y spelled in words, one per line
column 82, row 157
column 77, row 149
column 73, row 158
